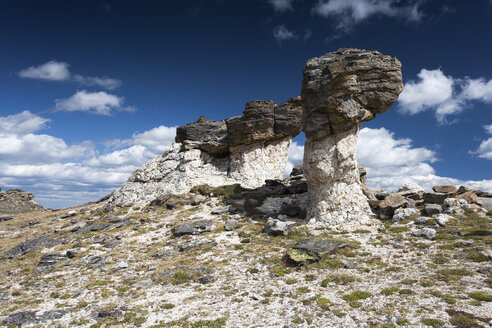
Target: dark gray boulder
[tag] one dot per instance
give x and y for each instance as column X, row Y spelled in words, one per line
column 33, row 317
column 49, row 261
column 312, row 250
column 194, row 228
column 31, row 245
column 435, row 197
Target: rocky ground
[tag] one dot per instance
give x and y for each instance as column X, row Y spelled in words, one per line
column 197, row 260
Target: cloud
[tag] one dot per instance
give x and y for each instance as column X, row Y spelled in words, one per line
column 19, row 144
column 281, row 33
column 478, row 89
column 442, row 94
column 488, row 128
column 66, row 175
column 100, row 103
column 22, row 123
column 52, row 71
column 104, row 82
column 485, row 148
column 58, row 71
column 281, row 5
column 391, row 162
column 348, row 13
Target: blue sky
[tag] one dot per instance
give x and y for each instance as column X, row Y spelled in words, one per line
column 91, row 89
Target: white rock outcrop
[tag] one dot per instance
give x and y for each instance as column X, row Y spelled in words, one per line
column 178, row 170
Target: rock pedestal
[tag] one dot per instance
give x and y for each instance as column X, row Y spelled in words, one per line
column 334, row 186
column 339, row 91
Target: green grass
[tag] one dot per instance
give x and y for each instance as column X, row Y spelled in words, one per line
column 356, row 296
column 389, row 291
column 432, row 322
column 481, row 296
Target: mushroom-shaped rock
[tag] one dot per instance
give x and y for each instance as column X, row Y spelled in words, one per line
column 339, row 91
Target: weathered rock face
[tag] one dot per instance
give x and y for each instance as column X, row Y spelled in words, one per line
column 339, row 91
column 15, row 201
column 247, row 149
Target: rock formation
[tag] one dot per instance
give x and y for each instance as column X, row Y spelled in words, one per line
column 246, row 149
column 339, row 91
column 15, row 201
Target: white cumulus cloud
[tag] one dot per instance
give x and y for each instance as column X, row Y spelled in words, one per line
column 485, row 148
column 52, row 70
column 22, row 123
column 391, row 162
column 59, row 71
column 61, row 174
column 348, row 13
column 282, row 33
column 445, row 95
column 100, row 103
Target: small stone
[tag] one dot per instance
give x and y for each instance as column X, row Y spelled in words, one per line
column 197, row 243
column 5, row 218
column 422, row 220
column 404, row 213
column 388, row 206
column 206, row 279
column 194, row 228
column 143, row 283
column 443, row 219
column 231, row 224
column 276, row 227
column 431, row 209
column 172, row 205
column 312, row 250
column 29, row 224
column 160, row 200
column 122, row 265
column 427, row 233
column 350, row 265
column 96, row 261
column 50, row 260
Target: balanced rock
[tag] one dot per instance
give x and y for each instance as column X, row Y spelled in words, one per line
column 339, row 91
column 246, row 150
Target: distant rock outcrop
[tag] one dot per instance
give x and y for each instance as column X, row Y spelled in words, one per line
column 15, row 201
column 246, row 149
column 339, row 91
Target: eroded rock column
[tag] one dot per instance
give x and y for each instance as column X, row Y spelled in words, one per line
column 339, row 91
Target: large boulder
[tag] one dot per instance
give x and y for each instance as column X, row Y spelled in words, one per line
column 339, row 91
column 446, row 189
